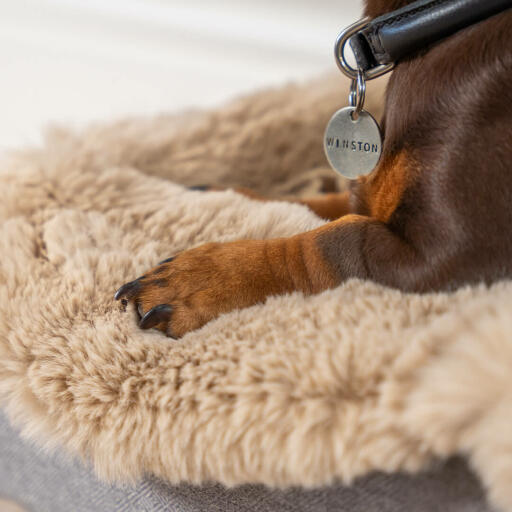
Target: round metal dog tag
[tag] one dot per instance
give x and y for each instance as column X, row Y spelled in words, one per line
column 353, row 147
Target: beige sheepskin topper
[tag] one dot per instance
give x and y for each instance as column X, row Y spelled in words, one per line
column 298, row 390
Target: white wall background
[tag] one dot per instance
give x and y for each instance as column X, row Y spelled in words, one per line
column 74, row 61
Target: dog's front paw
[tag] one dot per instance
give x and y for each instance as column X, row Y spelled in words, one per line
column 183, row 293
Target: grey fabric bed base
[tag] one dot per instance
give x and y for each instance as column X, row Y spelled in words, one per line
column 54, row 483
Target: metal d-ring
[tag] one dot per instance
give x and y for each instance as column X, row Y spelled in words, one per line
column 357, row 93
column 339, row 53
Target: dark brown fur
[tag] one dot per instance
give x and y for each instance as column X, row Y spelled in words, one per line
column 436, row 214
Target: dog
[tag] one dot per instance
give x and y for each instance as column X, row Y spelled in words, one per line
column 436, row 213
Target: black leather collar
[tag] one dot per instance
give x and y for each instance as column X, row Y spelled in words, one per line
column 401, row 33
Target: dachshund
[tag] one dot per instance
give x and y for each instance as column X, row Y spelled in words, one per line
column 435, row 214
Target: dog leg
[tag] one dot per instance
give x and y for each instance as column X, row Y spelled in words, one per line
column 329, row 206
column 186, row 292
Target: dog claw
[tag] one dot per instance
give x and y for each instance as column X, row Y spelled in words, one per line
column 156, row 315
column 168, row 260
column 199, row 188
column 127, row 289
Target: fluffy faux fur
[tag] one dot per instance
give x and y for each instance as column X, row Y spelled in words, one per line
column 299, row 390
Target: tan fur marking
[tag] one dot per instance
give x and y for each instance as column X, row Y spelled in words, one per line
column 384, row 189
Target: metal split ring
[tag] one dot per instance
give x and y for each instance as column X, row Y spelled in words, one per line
column 357, row 93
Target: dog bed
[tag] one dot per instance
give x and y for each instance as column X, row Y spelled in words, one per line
column 43, row 482
column 295, row 391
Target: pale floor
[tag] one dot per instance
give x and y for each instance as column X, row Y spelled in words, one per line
column 74, row 61
column 10, row 506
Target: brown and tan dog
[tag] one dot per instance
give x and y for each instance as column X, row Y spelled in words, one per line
column 435, row 214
